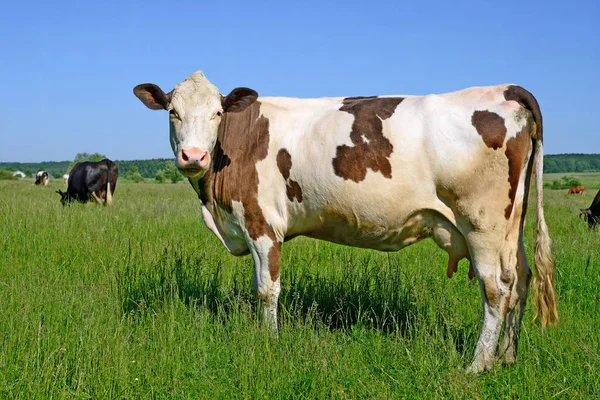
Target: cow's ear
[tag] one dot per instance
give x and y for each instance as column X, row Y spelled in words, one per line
column 152, row 96
column 238, row 99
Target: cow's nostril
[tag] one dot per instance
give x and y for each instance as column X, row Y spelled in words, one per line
column 203, row 157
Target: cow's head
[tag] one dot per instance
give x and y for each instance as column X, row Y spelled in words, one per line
column 64, row 197
column 196, row 108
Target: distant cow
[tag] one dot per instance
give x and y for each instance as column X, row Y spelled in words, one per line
column 372, row 172
column 66, row 179
column 91, row 180
column 592, row 214
column 576, row 190
column 41, row 178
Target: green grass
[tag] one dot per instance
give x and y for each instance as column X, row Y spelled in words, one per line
column 141, row 301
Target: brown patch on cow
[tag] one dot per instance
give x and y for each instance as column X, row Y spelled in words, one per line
column 529, row 102
column 371, row 149
column 490, row 127
column 492, row 294
column 242, row 141
column 517, row 149
column 452, row 267
column 294, row 191
column 507, row 304
column 284, row 163
column 274, row 259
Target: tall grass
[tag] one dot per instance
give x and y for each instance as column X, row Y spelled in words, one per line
column 141, row 301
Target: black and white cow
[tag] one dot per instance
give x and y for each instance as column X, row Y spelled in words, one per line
column 41, row 178
column 91, row 180
column 374, row 172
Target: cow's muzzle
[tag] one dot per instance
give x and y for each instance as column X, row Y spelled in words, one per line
column 193, row 161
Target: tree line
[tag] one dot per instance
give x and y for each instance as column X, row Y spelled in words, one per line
column 148, row 169
column 160, row 169
column 572, row 163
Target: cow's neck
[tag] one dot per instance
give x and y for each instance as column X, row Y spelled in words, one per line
column 242, row 141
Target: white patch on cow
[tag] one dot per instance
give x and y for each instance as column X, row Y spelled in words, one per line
column 364, row 138
column 310, row 130
column 195, row 101
column 262, row 277
column 227, row 227
column 266, row 289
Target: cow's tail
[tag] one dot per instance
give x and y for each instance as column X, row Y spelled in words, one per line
column 108, row 193
column 544, row 296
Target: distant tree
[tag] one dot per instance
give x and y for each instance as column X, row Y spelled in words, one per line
column 81, row 157
column 570, row 181
column 7, row 175
column 172, row 173
column 550, row 166
column 134, row 174
column 566, row 182
column 160, row 176
column 28, row 172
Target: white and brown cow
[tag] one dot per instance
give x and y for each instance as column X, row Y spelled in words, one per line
column 374, row 172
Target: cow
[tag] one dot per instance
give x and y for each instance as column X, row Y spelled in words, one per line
column 378, row 172
column 91, row 180
column 41, row 178
column 66, row 179
column 576, row 190
column 592, row 214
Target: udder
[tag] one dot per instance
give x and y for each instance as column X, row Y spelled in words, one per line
column 447, row 236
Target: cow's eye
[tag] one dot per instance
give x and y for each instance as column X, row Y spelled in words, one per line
column 174, row 114
column 217, row 114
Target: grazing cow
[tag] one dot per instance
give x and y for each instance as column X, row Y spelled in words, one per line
column 66, row 179
column 41, row 178
column 592, row 214
column 373, row 172
column 91, row 180
column 576, row 190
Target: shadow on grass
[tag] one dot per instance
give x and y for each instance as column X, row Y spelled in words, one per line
column 367, row 295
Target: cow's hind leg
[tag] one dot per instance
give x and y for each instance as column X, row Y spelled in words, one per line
column 516, row 308
column 97, row 199
column 491, row 259
column 266, row 255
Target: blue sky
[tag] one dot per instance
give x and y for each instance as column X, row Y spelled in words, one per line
column 67, row 69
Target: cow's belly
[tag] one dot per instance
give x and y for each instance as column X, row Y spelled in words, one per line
column 377, row 231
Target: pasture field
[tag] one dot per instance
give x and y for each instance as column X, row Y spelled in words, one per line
column 141, row 301
column 591, row 180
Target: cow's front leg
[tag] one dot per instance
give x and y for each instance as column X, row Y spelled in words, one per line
column 266, row 254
